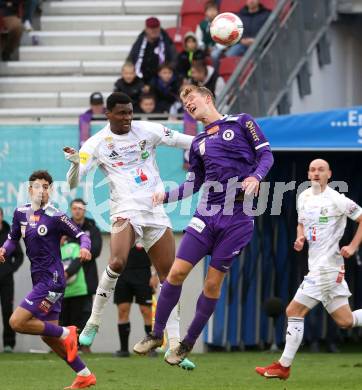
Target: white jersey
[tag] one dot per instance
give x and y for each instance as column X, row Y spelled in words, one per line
column 324, row 216
column 129, row 163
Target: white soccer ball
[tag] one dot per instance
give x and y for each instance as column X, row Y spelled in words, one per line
column 226, row 29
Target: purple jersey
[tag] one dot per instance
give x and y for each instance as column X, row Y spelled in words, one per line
column 41, row 231
column 229, row 150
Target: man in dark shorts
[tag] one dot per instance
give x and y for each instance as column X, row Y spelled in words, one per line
column 138, row 283
column 230, row 158
column 41, row 226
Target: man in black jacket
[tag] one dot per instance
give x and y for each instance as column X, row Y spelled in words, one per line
column 87, row 225
column 253, row 16
column 152, row 48
column 7, row 270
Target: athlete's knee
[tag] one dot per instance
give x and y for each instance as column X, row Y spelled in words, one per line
column 146, row 311
column 345, row 323
column 293, row 311
column 177, row 275
column 212, row 288
column 17, row 324
column 123, row 314
column 118, row 263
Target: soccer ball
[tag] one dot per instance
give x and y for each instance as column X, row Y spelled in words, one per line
column 227, row 29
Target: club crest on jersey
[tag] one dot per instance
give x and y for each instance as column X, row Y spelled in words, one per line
column 228, row 135
column 202, row 147
column 324, row 211
column 42, row 230
column 142, row 144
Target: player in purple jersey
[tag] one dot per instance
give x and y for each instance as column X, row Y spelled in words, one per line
column 41, row 226
column 230, row 158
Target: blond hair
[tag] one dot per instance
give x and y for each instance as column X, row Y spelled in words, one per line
column 185, row 91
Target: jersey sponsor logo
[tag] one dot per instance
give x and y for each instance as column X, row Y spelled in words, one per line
column 140, row 177
column 323, row 219
column 110, row 144
column 145, row 155
column 26, row 208
column 197, row 224
column 312, row 234
column 117, row 164
column 213, row 130
column 202, row 146
column 83, row 157
column 228, row 135
column 69, row 223
column 251, row 127
column 42, row 230
column 114, row 155
column 167, row 132
column 351, row 209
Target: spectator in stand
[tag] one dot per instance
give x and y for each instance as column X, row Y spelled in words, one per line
column 204, row 75
column 137, row 282
column 87, row 225
column 7, row 270
column 130, row 84
column 152, row 48
column 29, row 10
column 96, row 112
column 9, row 43
column 205, row 42
column 147, row 103
column 165, row 87
column 191, row 54
column 253, row 15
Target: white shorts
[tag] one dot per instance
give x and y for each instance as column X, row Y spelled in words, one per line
column 148, row 227
column 332, row 290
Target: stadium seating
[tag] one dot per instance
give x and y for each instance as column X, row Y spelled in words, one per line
column 192, row 12
column 236, row 5
column 177, row 35
column 270, row 4
column 227, row 66
column 232, row 5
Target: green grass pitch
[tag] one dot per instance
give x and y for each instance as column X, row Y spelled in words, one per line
column 215, row 371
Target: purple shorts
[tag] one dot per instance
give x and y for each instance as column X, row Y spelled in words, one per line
column 43, row 303
column 221, row 236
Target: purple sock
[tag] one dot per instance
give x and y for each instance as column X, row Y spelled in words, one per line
column 52, row 330
column 77, row 365
column 167, row 300
column 204, row 308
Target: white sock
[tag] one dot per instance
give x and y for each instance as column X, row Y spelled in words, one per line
column 65, row 333
column 105, row 288
column 173, row 327
column 357, row 318
column 84, row 372
column 293, row 340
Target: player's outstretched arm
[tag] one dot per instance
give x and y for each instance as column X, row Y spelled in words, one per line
column 72, row 155
column 299, row 241
column 349, row 250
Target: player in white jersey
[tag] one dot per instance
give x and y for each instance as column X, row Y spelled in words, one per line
column 125, row 151
column 322, row 216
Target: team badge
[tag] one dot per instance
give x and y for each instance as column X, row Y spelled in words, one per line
column 228, row 135
column 142, row 144
column 42, row 230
